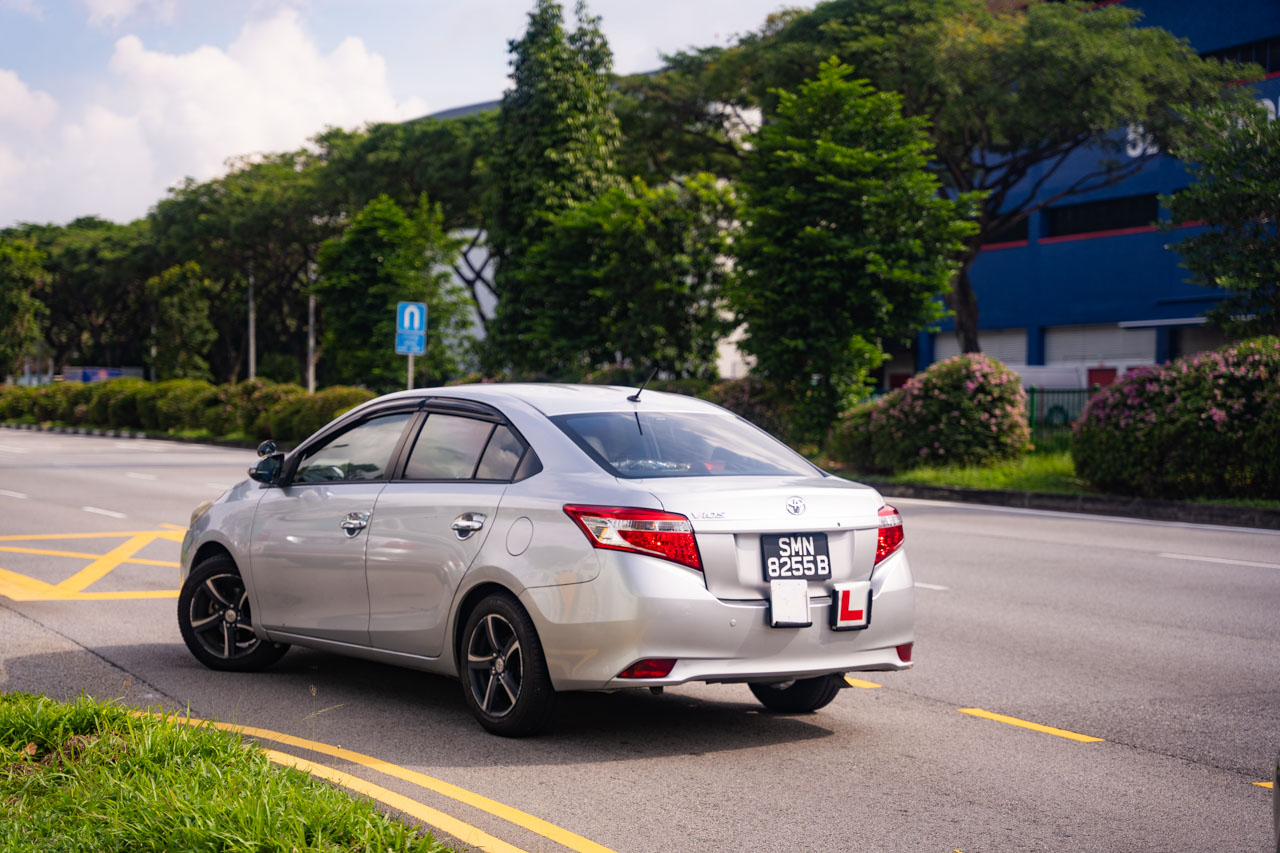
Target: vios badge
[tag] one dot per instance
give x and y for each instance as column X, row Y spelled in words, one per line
column 795, row 505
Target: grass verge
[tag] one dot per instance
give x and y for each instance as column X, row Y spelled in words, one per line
column 1035, row 472
column 92, row 776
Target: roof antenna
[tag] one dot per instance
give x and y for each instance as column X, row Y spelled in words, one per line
column 635, row 398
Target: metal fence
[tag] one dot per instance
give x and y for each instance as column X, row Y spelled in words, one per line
column 1051, row 412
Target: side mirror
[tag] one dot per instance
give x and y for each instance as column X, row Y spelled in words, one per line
column 268, row 468
column 267, row 448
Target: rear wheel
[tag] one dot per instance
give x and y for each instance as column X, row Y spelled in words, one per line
column 504, row 672
column 217, row 623
column 798, row 696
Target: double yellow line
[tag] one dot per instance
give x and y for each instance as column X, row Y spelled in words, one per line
column 464, row 832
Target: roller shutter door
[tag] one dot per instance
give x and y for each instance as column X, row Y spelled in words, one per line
column 1007, row 345
column 1105, row 344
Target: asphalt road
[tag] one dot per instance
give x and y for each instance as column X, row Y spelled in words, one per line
column 1162, row 640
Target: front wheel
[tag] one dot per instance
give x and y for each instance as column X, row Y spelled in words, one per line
column 504, row 673
column 215, row 619
column 798, row 696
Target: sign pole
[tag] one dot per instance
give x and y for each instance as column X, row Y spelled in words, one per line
column 409, row 382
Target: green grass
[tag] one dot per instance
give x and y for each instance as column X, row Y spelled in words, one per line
column 92, row 776
column 1034, row 472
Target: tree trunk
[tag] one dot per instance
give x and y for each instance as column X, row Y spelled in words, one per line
column 965, row 306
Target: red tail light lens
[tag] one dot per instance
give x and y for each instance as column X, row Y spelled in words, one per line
column 649, row 668
column 904, row 652
column 890, row 536
column 641, row 531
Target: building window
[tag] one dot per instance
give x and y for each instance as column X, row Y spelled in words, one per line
column 1016, row 233
column 1110, row 215
column 1264, row 52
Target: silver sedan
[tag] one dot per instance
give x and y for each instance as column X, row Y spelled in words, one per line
column 532, row 539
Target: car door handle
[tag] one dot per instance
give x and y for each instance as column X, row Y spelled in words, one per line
column 465, row 525
column 354, row 523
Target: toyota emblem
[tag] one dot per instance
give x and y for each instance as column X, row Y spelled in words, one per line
column 795, row 506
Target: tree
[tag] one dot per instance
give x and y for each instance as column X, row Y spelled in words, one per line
column 265, row 218
column 181, row 331
column 846, row 242
column 383, row 257
column 1234, row 155
column 555, row 146
column 20, row 312
column 1010, row 95
column 639, row 275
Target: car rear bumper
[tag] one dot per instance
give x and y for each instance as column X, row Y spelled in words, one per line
column 642, row 607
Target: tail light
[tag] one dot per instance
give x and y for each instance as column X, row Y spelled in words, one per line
column 890, row 535
column 640, row 531
column 904, row 652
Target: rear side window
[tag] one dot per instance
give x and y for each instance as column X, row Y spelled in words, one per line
column 681, row 444
column 453, row 447
column 448, row 448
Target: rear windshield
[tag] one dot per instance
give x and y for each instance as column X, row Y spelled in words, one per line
column 681, row 444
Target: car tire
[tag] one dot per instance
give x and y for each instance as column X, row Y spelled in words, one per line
column 504, row 672
column 799, row 696
column 215, row 619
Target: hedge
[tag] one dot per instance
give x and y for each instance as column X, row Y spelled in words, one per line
column 246, row 410
column 967, row 410
column 1203, row 426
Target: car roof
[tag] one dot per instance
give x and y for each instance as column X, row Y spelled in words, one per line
column 561, row 399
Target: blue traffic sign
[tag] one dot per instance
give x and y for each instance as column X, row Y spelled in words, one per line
column 411, row 328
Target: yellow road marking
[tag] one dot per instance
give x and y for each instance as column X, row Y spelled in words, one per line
column 1265, row 784
column 858, row 682
column 82, row 556
column 512, row 815
column 18, row 587
column 102, row 566
column 464, row 832
column 1035, row 727
column 177, row 527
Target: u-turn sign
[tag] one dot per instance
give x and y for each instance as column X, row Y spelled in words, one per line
column 411, row 328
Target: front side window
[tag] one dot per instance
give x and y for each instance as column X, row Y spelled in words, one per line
column 681, row 444
column 361, row 453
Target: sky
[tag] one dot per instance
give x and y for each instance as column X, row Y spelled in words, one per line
column 105, row 104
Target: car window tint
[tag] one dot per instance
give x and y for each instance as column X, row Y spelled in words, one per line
column 680, row 444
column 448, row 448
column 361, row 453
column 501, row 456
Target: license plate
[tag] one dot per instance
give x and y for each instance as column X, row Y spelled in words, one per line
column 795, row 555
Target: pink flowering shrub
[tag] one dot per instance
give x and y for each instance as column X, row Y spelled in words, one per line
column 967, row 410
column 1203, row 426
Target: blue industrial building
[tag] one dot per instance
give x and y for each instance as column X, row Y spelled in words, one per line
column 1088, row 289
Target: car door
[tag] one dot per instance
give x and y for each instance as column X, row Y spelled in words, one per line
column 309, row 535
column 431, row 523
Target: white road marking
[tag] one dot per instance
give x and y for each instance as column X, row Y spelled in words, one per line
column 141, row 476
column 5, row 448
column 139, row 445
column 222, row 486
column 1084, row 516
column 8, row 494
column 106, row 512
column 933, row 586
column 1223, row 560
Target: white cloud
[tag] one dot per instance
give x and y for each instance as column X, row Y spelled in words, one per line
column 23, row 107
column 112, row 12
column 160, row 117
column 30, row 8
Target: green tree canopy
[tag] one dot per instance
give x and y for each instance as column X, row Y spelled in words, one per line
column 1010, row 95
column 555, row 146
column 846, row 241
column 20, row 312
column 636, row 274
column 383, row 257
column 181, row 331
column 1235, row 157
